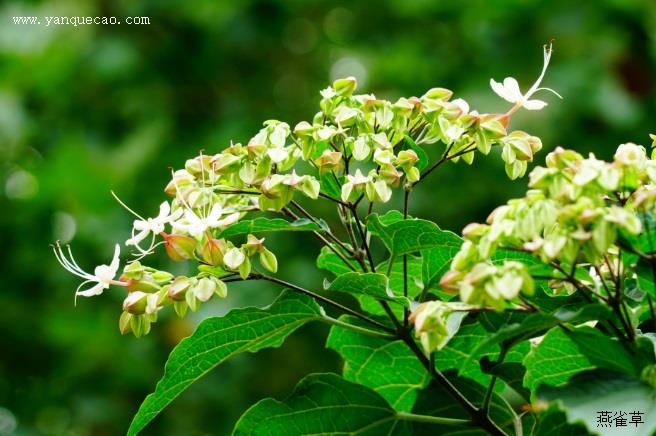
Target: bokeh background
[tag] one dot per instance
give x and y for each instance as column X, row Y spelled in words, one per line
column 87, row 109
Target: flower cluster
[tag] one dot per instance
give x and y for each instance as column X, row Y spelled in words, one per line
column 574, row 213
column 356, row 147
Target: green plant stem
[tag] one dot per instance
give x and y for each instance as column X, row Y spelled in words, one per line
column 358, row 329
column 490, row 389
column 363, row 237
column 431, row 419
column 406, row 312
column 328, row 232
column 478, row 417
column 325, row 241
column 323, row 300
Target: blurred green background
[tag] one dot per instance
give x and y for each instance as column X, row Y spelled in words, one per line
column 87, row 109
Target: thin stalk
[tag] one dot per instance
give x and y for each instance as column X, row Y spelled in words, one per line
column 328, row 232
column 406, row 312
column 363, row 237
column 323, row 300
column 431, row 419
column 325, row 241
column 358, row 329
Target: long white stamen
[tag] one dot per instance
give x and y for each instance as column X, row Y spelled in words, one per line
column 126, row 206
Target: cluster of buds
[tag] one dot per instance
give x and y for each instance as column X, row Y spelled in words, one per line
column 364, row 146
column 575, row 211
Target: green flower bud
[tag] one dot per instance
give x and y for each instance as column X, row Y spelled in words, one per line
column 245, row 268
column 390, row 175
column 162, row 277
column 124, row 323
column 181, row 179
column 133, row 270
column 268, row 260
column 438, row 94
column 221, row 289
column 345, row 87
column 213, row 250
column 253, row 245
column 140, row 325
column 378, row 191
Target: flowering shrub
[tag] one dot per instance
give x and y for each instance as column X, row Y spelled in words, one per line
column 451, row 333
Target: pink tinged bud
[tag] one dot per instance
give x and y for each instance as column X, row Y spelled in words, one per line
column 213, row 250
column 179, row 247
column 178, row 288
column 135, row 303
column 450, row 280
column 329, row 161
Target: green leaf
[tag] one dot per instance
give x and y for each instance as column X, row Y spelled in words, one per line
column 605, row 352
column 458, row 353
column 372, row 306
column 262, row 224
column 331, row 186
column 371, row 284
column 323, row 404
column 554, row 361
column 553, row 422
column 596, row 391
column 511, row 371
column 217, row 339
column 519, row 327
column 435, row 262
column 387, row 367
column 411, row 235
column 329, row 261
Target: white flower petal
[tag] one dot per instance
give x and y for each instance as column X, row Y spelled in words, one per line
column 92, row 291
column 534, row 105
column 501, row 91
column 512, row 87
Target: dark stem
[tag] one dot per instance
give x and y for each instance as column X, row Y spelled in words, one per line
column 325, row 241
column 323, row 300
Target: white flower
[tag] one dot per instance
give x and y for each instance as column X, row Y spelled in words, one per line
column 234, row 258
column 630, row 154
column 153, row 225
column 196, row 225
column 510, row 92
column 102, row 277
column 354, row 184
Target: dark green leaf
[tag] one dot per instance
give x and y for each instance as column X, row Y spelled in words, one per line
column 457, row 353
column 436, row 401
column 387, row 367
column 217, row 339
column 371, row 284
column 589, row 393
column 372, row 306
column 330, row 185
column 329, row 261
column 553, row 422
column 410, row 235
column 554, row 361
column 323, row 404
